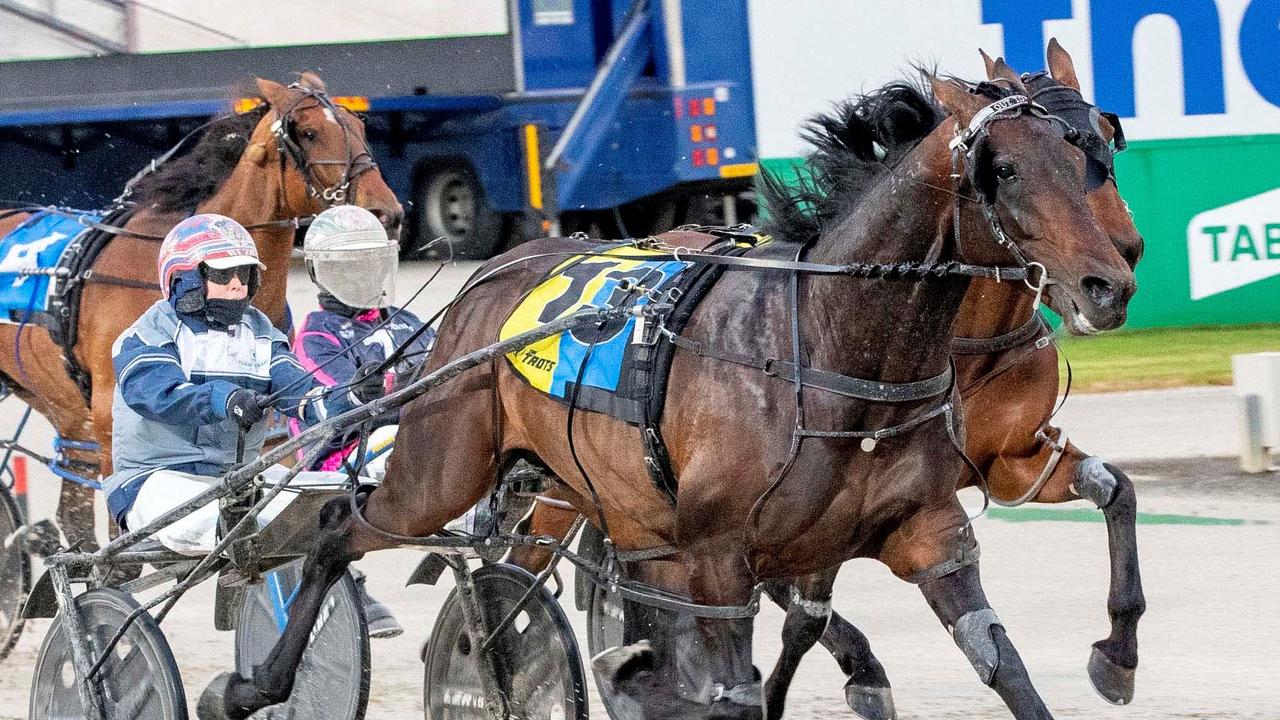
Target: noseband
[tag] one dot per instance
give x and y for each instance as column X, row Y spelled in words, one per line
column 353, row 166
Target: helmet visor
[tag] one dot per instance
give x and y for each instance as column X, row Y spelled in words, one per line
column 364, row 278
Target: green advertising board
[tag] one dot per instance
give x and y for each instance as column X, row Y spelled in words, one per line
column 1211, row 221
column 1194, row 82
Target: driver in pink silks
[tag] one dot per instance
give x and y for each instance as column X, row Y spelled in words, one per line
column 357, row 328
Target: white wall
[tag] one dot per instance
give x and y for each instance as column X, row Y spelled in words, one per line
column 810, row 53
column 236, row 23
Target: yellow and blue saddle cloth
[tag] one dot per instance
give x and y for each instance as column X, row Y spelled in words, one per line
column 37, row 244
column 555, row 365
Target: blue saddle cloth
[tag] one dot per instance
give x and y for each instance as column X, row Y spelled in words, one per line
column 37, row 244
column 555, row 365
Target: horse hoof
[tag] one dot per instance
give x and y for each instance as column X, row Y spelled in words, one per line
column 621, row 663
column 1112, row 682
column 213, row 705
column 870, row 703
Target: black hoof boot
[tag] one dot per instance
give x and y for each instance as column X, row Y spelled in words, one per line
column 212, row 705
column 620, row 664
column 870, row 703
column 1113, row 682
column 213, row 701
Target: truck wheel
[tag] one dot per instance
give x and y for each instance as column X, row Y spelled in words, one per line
column 451, row 204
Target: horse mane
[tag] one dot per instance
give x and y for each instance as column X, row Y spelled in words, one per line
column 185, row 181
column 856, row 144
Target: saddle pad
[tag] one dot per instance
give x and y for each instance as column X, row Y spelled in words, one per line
column 554, row 365
column 36, row 244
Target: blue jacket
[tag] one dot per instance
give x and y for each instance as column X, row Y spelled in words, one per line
column 173, row 377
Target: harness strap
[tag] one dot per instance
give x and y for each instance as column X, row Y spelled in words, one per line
column 91, row 276
column 1059, row 447
column 873, row 390
column 876, row 434
column 1005, row 341
column 654, row 596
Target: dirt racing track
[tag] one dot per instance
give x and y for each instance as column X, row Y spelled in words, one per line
column 1209, row 540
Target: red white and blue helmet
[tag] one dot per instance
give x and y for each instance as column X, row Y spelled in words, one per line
column 208, row 239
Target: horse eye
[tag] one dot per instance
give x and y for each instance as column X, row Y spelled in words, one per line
column 1005, row 171
column 310, row 135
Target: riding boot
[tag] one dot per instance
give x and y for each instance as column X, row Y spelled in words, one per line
column 382, row 624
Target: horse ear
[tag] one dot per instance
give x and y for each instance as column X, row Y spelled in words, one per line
column 312, row 81
column 956, row 98
column 275, row 94
column 1000, row 70
column 1061, row 67
column 989, row 63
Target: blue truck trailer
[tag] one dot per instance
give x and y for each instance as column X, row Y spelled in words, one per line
column 617, row 117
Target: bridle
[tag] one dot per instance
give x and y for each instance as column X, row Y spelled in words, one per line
column 353, row 166
column 1070, row 110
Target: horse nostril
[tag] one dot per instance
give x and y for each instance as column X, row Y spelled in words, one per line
column 1100, row 290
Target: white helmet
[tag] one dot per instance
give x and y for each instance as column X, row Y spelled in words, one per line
column 349, row 255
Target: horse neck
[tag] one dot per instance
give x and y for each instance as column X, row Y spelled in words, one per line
column 993, row 308
column 893, row 330
column 252, row 195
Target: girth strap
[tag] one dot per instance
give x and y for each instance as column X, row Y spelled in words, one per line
column 1011, row 339
column 873, row 390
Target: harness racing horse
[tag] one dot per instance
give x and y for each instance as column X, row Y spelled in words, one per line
column 269, row 169
column 1007, row 373
column 779, row 475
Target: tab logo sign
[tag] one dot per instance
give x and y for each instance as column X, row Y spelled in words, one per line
column 1234, row 245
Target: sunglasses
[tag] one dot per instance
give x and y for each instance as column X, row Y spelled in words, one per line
column 222, row 276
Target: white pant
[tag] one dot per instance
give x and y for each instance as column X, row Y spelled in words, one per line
column 196, row 534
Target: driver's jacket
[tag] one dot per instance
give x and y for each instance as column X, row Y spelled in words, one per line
column 173, row 377
column 335, row 346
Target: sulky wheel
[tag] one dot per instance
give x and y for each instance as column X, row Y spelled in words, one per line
column 538, row 666
column 15, row 572
column 140, row 680
column 333, row 678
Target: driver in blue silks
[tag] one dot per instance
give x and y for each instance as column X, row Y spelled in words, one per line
column 193, row 372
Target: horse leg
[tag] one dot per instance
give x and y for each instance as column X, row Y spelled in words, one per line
column 428, row 483
column 810, row 619
column 960, row 603
column 1114, row 661
column 544, row 518
column 232, row 697
column 678, row 666
column 76, row 501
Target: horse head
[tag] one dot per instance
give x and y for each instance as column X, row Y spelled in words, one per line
column 322, row 152
column 1034, row 189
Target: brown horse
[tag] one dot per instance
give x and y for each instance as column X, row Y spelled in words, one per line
column 772, row 482
column 1008, row 381
column 1007, row 374
column 239, row 168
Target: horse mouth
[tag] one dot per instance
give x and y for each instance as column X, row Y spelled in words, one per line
column 1076, row 321
column 1079, row 323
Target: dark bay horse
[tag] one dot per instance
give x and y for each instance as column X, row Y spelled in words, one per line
column 773, row 479
column 242, row 168
column 1008, row 378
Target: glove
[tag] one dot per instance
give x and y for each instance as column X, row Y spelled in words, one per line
column 368, row 385
column 246, row 407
